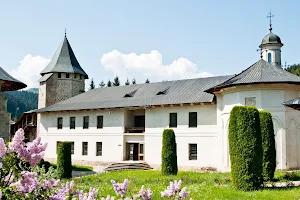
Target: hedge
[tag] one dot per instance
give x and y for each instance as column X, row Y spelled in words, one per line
column 268, row 145
column 64, row 161
column 169, row 153
column 245, row 146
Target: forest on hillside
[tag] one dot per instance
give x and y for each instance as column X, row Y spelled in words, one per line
column 20, row 101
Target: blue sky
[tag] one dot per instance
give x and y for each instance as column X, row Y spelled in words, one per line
column 187, row 38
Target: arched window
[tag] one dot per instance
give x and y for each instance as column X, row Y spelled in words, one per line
column 269, row 57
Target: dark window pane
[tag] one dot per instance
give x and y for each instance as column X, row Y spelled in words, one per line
column 84, row 148
column 193, row 119
column 141, row 148
column 192, row 151
column 59, row 123
column 269, row 57
column 75, row 75
column 99, row 149
column 80, row 76
column 67, row 75
column 86, row 122
column 72, row 147
column 72, row 122
column 59, row 75
column 173, row 120
column 99, row 121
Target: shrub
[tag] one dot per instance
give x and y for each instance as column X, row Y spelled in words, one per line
column 268, row 145
column 64, row 161
column 245, row 147
column 44, row 164
column 169, row 153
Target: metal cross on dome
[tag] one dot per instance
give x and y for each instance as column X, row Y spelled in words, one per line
column 270, row 16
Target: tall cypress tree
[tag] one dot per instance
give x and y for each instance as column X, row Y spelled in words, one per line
column 127, row 82
column 102, row 84
column 116, row 81
column 169, row 153
column 109, row 84
column 92, row 85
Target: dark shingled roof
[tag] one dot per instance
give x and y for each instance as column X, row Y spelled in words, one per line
column 9, row 83
column 64, row 60
column 178, row 92
column 294, row 103
column 271, row 38
column 259, row 72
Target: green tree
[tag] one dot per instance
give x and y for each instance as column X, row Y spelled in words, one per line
column 294, row 69
column 116, row 81
column 169, row 153
column 102, row 84
column 64, row 161
column 109, row 84
column 268, row 145
column 133, row 81
column 245, row 145
column 92, row 85
column 147, row 81
column 127, row 82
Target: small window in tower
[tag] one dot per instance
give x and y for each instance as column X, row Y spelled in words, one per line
column 269, row 57
column 80, row 76
column 59, row 75
column 75, row 76
column 67, row 75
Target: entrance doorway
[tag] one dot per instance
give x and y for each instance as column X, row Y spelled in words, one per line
column 134, row 151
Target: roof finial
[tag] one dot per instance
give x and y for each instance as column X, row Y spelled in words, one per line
column 65, row 32
column 270, row 16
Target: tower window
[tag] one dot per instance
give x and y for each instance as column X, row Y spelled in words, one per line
column 80, row 76
column 269, row 57
column 75, row 76
column 59, row 75
column 67, row 75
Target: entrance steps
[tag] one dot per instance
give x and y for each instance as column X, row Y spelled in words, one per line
column 128, row 165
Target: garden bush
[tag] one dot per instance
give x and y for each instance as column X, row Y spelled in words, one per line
column 169, row 153
column 245, row 145
column 64, row 160
column 268, row 145
column 44, row 164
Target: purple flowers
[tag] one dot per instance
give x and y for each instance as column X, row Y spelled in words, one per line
column 173, row 190
column 144, row 194
column 2, row 148
column 120, row 188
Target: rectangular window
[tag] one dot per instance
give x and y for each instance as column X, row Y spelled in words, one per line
column 141, row 148
column 173, row 120
column 250, row 101
column 99, row 121
column 72, row 147
column 59, row 75
column 86, row 122
column 72, row 122
column 75, row 76
column 98, row 148
column 80, row 76
column 67, row 75
column 59, row 123
column 193, row 119
column 192, row 151
column 84, row 148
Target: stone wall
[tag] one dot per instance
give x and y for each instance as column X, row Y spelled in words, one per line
column 4, row 119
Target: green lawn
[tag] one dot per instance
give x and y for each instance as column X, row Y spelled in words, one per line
column 201, row 185
column 82, row 168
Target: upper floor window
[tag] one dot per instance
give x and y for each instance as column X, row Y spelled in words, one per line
column 193, row 119
column 72, row 122
column 192, row 151
column 250, row 101
column 59, row 75
column 80, row 76
column 59, row 123
column 269, row 57
column 86, row 122
column 173, row 120
column 67, row 75
column 99, row 121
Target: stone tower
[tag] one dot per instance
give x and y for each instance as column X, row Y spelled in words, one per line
column 63, row 77
column 271, row 48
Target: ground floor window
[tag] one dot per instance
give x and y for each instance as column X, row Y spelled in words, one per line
column 192, row 151
column 84, row 148
column 98, row 148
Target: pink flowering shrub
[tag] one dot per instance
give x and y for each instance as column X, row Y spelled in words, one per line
column 18, row 180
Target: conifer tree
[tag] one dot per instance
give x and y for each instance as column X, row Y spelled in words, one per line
column 116, row 81
column 127, row 82
column 102, row 84
column 147, row 81
column 109, row 84
column 92, row 85
column 133, row 81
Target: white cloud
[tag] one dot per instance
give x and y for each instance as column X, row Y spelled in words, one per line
column 149, row 65
column 28, row 70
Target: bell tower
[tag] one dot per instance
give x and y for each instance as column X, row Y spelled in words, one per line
column 271, row 46
column 63, row 77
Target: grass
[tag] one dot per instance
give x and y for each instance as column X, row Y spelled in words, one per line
column 201, row 185
column 77, row 167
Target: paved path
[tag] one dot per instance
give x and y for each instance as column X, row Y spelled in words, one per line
column 96, row 169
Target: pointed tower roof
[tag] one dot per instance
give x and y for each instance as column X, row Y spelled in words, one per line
column 64, row 60
column 259, row 72
column 9, row 83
